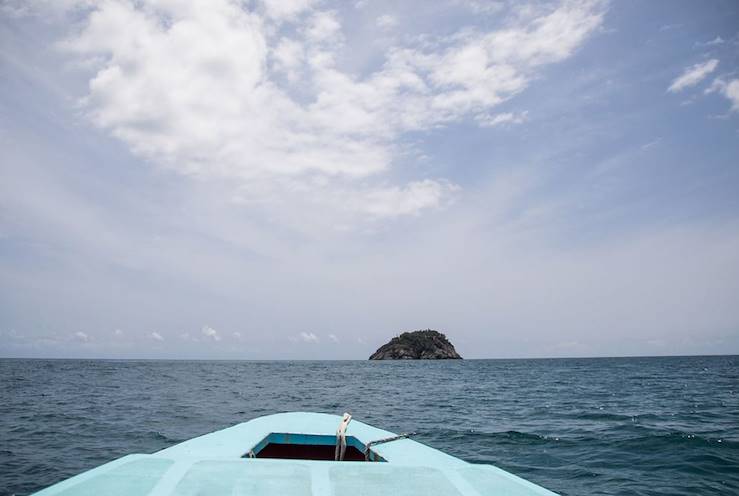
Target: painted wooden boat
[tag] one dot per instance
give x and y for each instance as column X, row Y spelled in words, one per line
column 295, row 454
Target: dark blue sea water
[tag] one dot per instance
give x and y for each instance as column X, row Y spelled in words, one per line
column 666, row 426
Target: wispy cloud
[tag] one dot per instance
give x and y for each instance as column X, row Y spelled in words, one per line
column 81, row 336
column 156, row 336
column 11, row 334
column 505, row 118
column 693, row 75
column 286, row 10
column 714, row 42
column 651, row 144
column 670, row 27
column 386, row 21
column 482, row 6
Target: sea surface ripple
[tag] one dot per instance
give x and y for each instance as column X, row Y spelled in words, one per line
column 611, row 426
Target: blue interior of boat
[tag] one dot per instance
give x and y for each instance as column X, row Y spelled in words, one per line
column 296, row 446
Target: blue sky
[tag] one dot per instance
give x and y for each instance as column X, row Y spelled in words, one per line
column 306, row 179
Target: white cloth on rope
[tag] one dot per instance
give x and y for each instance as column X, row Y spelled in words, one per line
column 341, row 437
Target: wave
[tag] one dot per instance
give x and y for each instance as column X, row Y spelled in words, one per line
column 617, row 417
column 646, row 439
column 160, row 436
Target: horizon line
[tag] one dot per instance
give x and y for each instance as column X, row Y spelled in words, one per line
column 597, row 357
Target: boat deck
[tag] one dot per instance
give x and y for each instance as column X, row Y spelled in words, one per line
column 218, row 463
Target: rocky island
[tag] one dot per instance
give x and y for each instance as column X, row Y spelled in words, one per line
column 417, row 345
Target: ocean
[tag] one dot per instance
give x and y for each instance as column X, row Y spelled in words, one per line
column 610, row 426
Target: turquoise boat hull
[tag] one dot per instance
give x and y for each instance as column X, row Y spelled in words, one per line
column 232, row 462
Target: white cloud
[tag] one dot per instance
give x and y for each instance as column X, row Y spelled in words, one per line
column 323, row 27
column 412, row 199
column 81, row 336
column 333, row 338
column 308, row 337
column 482, row 6
column 118, row 332
column 386, row 22
column 156, row 336
column 730, row 90
column 488, row 120
column 482, row 70
column 693, row 75
column 210, row 333
column 286, row 9
column 203, row 94
column 288, row 57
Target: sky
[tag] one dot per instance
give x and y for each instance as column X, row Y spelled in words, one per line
column 304, row 179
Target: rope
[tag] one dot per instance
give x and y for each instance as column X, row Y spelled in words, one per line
column 384, row 440
column 341, row 438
